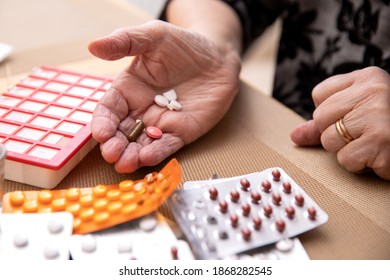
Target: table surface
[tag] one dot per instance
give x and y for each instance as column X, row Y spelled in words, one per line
column 253, row 136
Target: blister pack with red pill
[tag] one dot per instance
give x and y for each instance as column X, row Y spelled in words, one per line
column 221, row 218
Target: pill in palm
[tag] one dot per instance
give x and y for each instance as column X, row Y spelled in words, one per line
column 170, row 95
column 168, row 100
column 136, row 131
column 174, row 105
column 161, row 100
column 153, row 132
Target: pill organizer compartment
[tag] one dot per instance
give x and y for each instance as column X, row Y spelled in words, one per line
column 45, row 124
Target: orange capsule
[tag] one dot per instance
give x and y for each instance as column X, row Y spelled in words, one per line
column 72, row 194
column 30, row 206
column 58, row 204
column 128, row 209
column 99, row 191
column 17, row 198
column 45, row 196
column 113, row 195
column 86, row 200
column 128, row 197
column 77, row 224
column 100, row 204
column 87, row 215
column 126, row 186
column 74, row 209
column 101, row 217
column 114, row 207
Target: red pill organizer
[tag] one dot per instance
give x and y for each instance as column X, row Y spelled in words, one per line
column 224, row 217
column 45, row 124
column 102, row 206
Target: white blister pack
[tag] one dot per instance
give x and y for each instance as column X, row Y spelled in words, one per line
column 146, row 238
column 222, row 218
column 43, row 236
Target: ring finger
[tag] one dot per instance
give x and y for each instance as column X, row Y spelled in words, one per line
column 339, row 134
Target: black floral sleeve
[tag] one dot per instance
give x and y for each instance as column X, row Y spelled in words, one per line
column 255, row 16
column 318, row 39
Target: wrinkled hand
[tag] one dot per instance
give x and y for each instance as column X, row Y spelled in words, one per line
column 204, row 77
column 362, row 98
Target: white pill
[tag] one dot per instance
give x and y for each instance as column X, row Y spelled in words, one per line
column 231, row 257
column 148, row 223
column 174, row 105
column 54, row 226
column 170, row 95
column 260, row 256
column 125, row 246
column 51, row 253
column 246, row 257
column 271, row 256
column 20, row 240
column 284, row 245
column 88, row 244
column 161, row 100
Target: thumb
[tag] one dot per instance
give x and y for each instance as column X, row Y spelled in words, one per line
column 126, row 41
column 306, row 134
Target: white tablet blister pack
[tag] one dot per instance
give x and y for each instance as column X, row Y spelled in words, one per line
column 42, row 236
column 225, row 217
column 145, row 238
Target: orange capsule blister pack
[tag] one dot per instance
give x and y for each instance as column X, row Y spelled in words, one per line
column 102, row 206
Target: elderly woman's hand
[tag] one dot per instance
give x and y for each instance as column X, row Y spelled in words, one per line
column 352, row 119
column 203, row 75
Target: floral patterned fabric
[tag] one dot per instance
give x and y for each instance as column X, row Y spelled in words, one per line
column 319, row 39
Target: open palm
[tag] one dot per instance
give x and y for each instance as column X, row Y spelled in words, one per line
column 204, row 77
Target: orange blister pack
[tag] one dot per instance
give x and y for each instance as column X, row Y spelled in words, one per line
column 102, row 206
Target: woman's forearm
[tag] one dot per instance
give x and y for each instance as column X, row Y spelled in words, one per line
column 211, row 18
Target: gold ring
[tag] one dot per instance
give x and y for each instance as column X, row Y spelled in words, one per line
column 343, row 132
